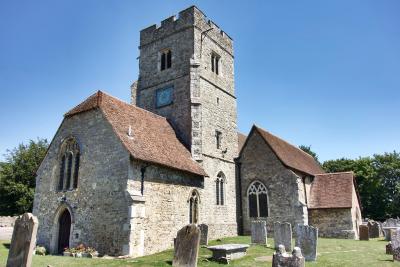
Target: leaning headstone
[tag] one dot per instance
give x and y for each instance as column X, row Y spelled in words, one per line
column 23, row 241
column 187, row 246
column 363, row 231
column 373, row 229
column 306, row 240
column 259, row 232
column 283, row 235
column 283, row 259
column 203, row 234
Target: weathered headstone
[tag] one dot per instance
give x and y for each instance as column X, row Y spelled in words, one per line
column 395, row 238
column 259, row 232
column 187, row 246
column 396, row 254
column 23, row 241
column 307, row 240
column 283, row 259
column 373, row 229
column 283, row 235
column 363, row 231
column 389, row 249
column 203, row 234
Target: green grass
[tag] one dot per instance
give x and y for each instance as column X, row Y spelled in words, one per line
column 331, row 252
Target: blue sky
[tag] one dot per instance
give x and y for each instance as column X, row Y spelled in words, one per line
column 319, row 73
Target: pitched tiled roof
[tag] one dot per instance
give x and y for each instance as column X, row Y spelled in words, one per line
column 241, row 140
column 152, row 137
column 331, row 190
column 290, row 155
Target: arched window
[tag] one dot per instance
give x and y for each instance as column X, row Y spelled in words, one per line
column 69, row 165
column 258, row 200
column 220, row 189
column 194, row 207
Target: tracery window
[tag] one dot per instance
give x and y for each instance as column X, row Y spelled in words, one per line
column 220, row 188
column 194, row 207
column 165, row 59
column 258, row 200
column 69, row 165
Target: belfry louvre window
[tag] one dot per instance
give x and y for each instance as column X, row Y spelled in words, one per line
column 215, row 59
column 166, row 59
column 220, row 189
column 258, row 200
column 69, row 165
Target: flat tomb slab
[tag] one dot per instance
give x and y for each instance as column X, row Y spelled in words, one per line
column 225, row 253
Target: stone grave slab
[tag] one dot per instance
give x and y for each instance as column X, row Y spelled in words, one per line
column 307, row 240
column 388, row 231
column 203, row 234
column 395, row 238
column 23, row 241
column 281, row 258
column 283, row 235
column 227, row 252
column 187, row 246
column 259, row 232
column 363, row 232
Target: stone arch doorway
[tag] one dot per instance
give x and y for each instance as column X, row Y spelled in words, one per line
column 64, row 230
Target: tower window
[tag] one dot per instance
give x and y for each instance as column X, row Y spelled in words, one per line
column 215, row 63
column 219, row 189
column 218, row 139
column 165, row 59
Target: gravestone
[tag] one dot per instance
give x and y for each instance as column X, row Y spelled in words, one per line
column 23, row 241
column 187, row 246
column 227, row 252
column 389, row 249
column 283, row 259
column 306, row 240
column 363, row 231
column 203, row 234
column 283, row 235
column 373, row 229
column 259, row 232
column 395, row 238
column 396, row 254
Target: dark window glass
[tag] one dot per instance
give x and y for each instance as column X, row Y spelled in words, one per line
column 76, row 171
column 217, row 191
column 69, row 172
column 62, row 170
column 218, row 136
column 253, row 206
column 212, row 62
column 222, row 192
column 169, row 59
column 216, row 64
column 191, row 210
column 163, row 59
column 263, row 205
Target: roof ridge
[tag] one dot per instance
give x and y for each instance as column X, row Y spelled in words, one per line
column 130, row 105
column 296, row 147
column 334, row 173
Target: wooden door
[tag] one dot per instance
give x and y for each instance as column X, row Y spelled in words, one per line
column 64, row 231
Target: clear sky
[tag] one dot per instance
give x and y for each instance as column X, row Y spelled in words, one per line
column 319, row 73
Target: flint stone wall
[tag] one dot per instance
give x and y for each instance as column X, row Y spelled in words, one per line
column 286, row 197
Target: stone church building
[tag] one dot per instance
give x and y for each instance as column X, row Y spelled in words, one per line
column 125, row 177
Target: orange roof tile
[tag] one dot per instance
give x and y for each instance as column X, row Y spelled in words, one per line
column 152, row 139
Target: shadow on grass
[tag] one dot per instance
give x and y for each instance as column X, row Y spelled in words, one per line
column 169, row 262
column 7, row 245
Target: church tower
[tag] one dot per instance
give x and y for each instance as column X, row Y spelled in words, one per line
column 186, row 74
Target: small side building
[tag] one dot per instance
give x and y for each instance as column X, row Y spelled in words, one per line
column 279, row 182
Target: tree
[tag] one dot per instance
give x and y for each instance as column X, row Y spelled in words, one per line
column 308, row 150
column 17, row 177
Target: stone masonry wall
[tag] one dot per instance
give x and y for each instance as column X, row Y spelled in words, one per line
column 335, row 223
column 258, row 162
column 356, row 217
column 163, row 209
column 98, row 206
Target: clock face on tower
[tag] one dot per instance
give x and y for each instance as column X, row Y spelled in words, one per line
column 164, row 96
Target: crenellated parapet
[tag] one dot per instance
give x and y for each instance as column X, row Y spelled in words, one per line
column 190, row 17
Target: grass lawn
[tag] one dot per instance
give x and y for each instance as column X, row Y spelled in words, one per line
column 331, row 252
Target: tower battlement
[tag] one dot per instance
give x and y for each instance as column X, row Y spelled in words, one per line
column 190, row 17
